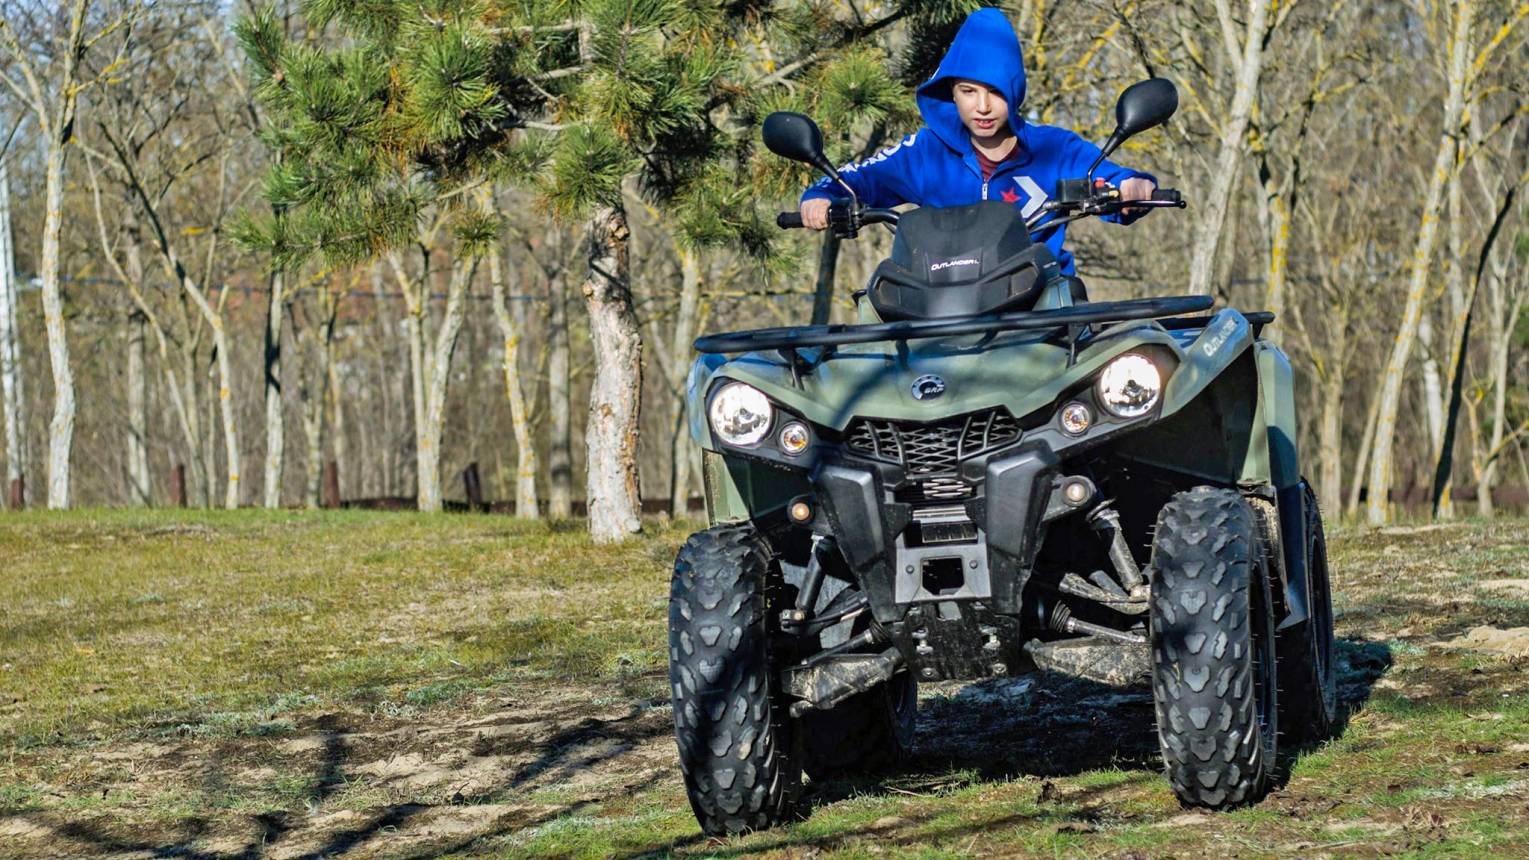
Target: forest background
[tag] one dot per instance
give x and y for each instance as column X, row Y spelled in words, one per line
column 401, row 237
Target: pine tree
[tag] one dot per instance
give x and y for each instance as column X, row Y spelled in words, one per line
column 410, row 105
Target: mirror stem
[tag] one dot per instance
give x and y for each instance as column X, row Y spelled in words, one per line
column 1104, row 152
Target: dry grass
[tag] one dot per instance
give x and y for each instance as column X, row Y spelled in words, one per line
column 288, row 685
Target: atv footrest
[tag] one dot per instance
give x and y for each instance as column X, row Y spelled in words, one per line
column 1095, row 658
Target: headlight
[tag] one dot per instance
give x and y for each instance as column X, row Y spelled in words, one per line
column 1129, row 386
column 741, row 414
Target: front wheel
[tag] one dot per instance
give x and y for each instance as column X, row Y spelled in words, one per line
column 1213, row 669
column 1308, row 686
column 735, row 736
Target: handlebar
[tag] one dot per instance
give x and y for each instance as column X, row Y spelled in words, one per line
column 845, row 219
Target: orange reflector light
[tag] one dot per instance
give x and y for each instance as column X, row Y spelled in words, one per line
column 794, row 438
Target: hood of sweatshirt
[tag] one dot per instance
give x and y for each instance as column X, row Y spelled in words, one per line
column 986, row 50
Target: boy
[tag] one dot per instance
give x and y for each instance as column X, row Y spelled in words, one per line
column 975, row 145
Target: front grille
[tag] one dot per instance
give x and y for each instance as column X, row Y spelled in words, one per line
column 934, row 448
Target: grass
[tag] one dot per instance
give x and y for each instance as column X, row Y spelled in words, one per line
column 221, row 622
column 229, row 684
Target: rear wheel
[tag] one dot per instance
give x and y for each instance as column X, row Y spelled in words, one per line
column 1308, row 686
column 869, row 733
column 735, row 737
column 1213, row 669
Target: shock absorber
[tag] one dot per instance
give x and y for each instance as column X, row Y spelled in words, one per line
column 1105, row 520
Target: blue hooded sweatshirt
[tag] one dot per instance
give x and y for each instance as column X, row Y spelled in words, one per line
column 937, row 166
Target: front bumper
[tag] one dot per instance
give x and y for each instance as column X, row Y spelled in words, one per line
column 898, row 570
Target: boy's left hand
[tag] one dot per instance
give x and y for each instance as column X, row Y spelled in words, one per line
column 1136, row 188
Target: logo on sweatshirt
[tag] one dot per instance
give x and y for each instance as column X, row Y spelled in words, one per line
column 1035, row 198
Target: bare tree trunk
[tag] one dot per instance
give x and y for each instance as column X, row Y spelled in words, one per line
column 559, row 404
column 430, row 366
column 615, row 401
column 275, row 430
column 14, row 406
column 313, row 435
column 61, row 428
column 1431, row 385
column 137, row 411
column 680, row 351
column 426, row 458
column 1275, row 218
column 315, row 377
column 226, row 412
column 383, row 352
column 1361, row 462
column 1330, row 431
column 526, row 465
column 338, row 441
column 1202, row 263
column 1502, row 339
column 828, row 266
column 1378, row 509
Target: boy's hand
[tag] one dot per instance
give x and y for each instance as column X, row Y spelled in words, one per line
column 1136, row 188
column 815, row 213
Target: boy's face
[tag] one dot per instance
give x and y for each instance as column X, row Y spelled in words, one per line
column 984, row 111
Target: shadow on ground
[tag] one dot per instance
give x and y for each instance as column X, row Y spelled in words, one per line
column 1043, row 725
column 1040, row 726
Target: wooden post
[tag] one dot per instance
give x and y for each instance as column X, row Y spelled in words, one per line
column 331, row 495
column 19, row 493
column 474, row 487
column 178, row 485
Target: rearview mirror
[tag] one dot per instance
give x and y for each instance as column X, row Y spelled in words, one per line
column 795, row 136
column 1145, row 105
column 1142, row 106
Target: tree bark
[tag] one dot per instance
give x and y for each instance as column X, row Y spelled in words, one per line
column 440, row 377
column 687, row 319
column 1202, row 263
column 430, row 368
column 11, row 393
column 61, row 427
column 559, row 404
column 828, row 266
column 615, row 400
column 1505, row 313
column 338, row 441
column 526, row 466
column 137, row 411
column 1361, row 462
column 1330, row 430
column 1378, row 508
column 275, row 420
column 426, row 457
column 226, row 413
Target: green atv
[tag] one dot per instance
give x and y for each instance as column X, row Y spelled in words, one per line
column 990, row 475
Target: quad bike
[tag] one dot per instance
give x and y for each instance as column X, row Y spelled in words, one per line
column 990, row 475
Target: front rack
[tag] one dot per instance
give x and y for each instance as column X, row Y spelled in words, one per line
column 796, row 337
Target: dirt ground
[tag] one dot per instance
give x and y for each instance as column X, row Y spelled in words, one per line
column 1433, row 758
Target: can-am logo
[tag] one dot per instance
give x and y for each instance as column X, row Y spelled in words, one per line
column 928, row 387
column 953, row 263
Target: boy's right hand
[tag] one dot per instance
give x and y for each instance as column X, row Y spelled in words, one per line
column 815, row 214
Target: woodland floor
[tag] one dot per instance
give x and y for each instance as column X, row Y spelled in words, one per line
column 212, row 685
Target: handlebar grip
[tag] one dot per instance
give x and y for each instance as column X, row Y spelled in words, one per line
column 789, row 220
column 1167, row 195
